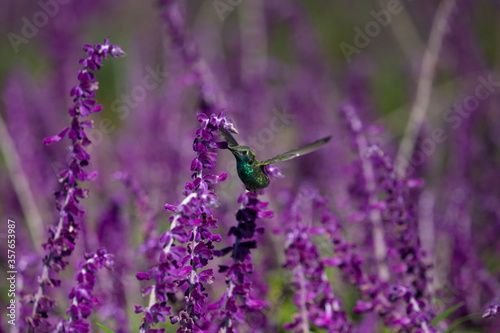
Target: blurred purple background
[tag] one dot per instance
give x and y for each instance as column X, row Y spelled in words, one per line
column 399, row 214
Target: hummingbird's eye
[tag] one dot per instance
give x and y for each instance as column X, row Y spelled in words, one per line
column 245, row 152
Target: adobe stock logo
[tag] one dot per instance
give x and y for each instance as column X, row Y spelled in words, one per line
column 40, row 19
column 152, row 79
column 122, row 106
column 372, row 29
column 225, row 7
column 486, row 88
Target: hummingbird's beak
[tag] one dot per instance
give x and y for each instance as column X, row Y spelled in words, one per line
column 233, row 151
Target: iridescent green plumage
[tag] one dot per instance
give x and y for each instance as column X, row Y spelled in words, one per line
column 252, row 171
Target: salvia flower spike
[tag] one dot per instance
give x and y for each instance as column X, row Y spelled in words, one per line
column 61, row 241
column 188, row 246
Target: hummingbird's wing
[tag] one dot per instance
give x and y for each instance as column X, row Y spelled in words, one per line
column 298, row 151
column 231, row 141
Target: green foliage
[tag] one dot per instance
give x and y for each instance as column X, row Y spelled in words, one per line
column 104, row 328
column 447, row 313
column 460, row 321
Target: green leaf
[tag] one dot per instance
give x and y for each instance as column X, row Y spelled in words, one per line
column 461, row 320
column 447, row 313
column 107, row 330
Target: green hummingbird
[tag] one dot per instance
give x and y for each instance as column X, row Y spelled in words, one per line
column 252, row 171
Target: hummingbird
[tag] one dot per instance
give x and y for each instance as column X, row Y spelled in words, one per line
column 252, row 171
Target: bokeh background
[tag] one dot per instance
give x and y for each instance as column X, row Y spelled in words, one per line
column 281, row 70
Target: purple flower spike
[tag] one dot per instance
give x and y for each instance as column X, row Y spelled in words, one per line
column 401, row 298
column 315, row 299
column 188, row 246
column 82, row 300
column 491, row 311
column 62, row 237
column 238, row 299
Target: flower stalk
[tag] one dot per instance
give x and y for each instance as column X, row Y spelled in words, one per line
column 188, row 246
column 61, row 241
